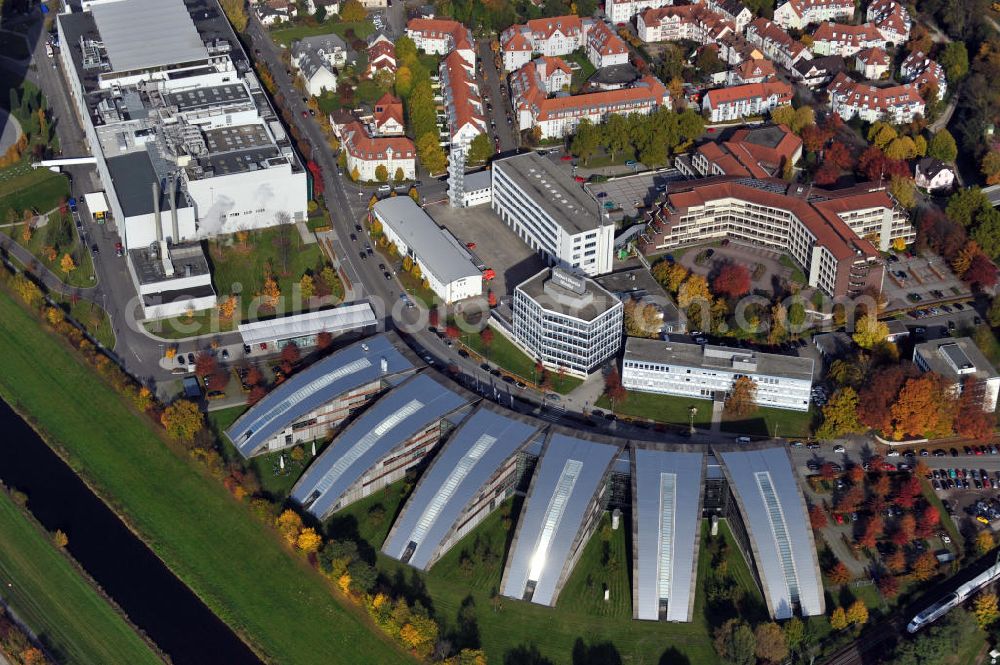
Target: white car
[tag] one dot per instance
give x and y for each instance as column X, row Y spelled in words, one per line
column 839, row 449
column 743, row 439
column 892, row 453
column 945, row 538
column 384, row 188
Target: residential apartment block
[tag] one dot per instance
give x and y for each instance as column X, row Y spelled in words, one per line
column 318, row 59
column 816, row 72
column 798, row 14
column 440, row 36
column 558, row 35
column 462, row 100
column 751, row 71
column 775, row 43
column 622, row 11
column 892, row 20
column 872, row 63
column 695, row 23
column 387, row 116
column 704, row 371
column 567, row 321
column 922, row 72
column 604, row 47
column 759, row 152
column 552, row 213
column 898, row 104
column 741, row 101
column 381, row 54
column 731, row 10
column 364, row 153
column 824, row 231
column 845, row 40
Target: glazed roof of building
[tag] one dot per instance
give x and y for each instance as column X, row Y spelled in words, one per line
column 589, row 301
column 349, row 368
column 742, row 361
column 133, row 34
column 955, row 358
column 479, row 448
column 817, row 209
column 338, row 319
column 666, row 501
column 571, row 470
column 774, row 512
column 396, row 417
column 436, row 250
column 552, row 188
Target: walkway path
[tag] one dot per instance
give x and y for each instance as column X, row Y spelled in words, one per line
column 718, row 406
column 48, row 278
column 308, row 237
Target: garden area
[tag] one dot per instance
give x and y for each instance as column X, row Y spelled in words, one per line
column 669, row 409
column 285, row 34
column 56, row 245
column 500, row 351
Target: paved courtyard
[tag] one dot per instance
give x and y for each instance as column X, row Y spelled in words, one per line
column 927, row 276
column 749, row 256
column 496, row 245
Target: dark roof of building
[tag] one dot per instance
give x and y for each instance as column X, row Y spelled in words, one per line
column 931, row 166
column 134, row 176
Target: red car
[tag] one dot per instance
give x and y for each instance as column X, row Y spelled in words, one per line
column 579, row 178
column 710, row 130
column 119, row 250
column 305, row 115
column 566, row 158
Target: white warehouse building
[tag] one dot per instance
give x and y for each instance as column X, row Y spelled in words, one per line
column 446, row 264
column 553, row 214
column 687, row 369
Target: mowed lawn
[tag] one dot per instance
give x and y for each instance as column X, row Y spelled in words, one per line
column 285, row 36
column 285, row 609
column 59, row 605
column 35, row 189
column 504, row 354
column 669, row 409
column 506, row 625
column 772, row 422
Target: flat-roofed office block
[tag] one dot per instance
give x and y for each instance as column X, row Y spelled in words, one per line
column 394, row 434
column 666, row 515
column 563, row 506
column 313, row 402
column 475, row 471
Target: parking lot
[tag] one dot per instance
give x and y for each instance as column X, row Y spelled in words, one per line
column 918, row 281
column 628, row 196
column 492, row 241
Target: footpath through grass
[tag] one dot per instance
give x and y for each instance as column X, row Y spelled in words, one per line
column 47, row 592
column 280, row 605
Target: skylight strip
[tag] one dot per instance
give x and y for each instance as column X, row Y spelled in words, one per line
column 668, row 501
column 780, row 532
column 553, row 516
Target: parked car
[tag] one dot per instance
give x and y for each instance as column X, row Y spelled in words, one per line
column 742, row 439
column 839, row 449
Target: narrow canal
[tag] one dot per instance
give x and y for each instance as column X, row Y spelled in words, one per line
column 154, row 599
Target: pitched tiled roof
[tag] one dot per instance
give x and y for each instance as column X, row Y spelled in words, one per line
column 755, row 68
column 867, row 96
column 719, row 96
column 466, row 103
column 368, row 148
column 388, row 108
column 602, row 39
column 768, row 31
column 543, row 28
column 802, row 7
column 841, row 33
column 873, row 56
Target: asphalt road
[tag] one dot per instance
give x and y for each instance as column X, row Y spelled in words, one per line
column 494, row 91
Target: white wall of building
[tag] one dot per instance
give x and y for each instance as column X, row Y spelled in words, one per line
column 248, row 200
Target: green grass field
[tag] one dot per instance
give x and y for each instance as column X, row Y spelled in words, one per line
column 83, row 275
column 93, row 317
column 504, row 624
column 503, row 353
column 661, row 408
column 772, row 422
column 285, row 36
column 34, row 189
column 235, row 564
column 47, row 592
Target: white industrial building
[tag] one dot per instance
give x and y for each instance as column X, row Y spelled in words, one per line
column 446, row 264
column 568, row 322
column 962, row 364
column 687, row 369
column 552, row 213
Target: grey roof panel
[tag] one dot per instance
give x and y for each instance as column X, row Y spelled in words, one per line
column 666, row 502
column 437, row 251
column 774, row 512
column 481, row 446
column 345, row 370
column 568, row 476
column 140, row 34
column 394, row 418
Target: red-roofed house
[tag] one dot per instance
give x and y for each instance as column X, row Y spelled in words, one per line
column 845, row 40
column 621, row 11
column 759, row 152
column 388, row 116
column 872, row 63
column 741, row 101
column 462, row 100
column 898, row 104
column 775, row 43
column 381, row 54
column 823, row 231
column 558, row 35
column 892, row 20
column 604, row 47
column 365, row 154
column 696, row 23
column 751, row 71
column 800, row 13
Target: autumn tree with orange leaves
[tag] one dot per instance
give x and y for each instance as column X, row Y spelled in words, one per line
column 924, row 407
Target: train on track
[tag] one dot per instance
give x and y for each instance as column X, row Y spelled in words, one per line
column 957, row 597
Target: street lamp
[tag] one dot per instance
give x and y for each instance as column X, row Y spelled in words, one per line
column 692, row 412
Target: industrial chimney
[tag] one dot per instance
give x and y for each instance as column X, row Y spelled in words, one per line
column 156, row 211
column 174, row 226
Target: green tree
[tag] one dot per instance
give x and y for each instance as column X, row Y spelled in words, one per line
column 985, row 609
column 353, row 11
column 901, row 147
column 795, row 633
column 381, row 173
column 406, row 51
column 966, row 205
column 869, row 331
column 431, row 153
column 840, row 415
column 881, row 134
column 616, row 134
column 987, row 233
column 585, row 141
column 796, row 315
column 707, row 62
column 990, row 167
column 735, row 643
column 771, row 644
column 399, row 176
column 942, row 146
column 955, row 60
column 236, row 12
column 480, row 149
column 903, row 190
